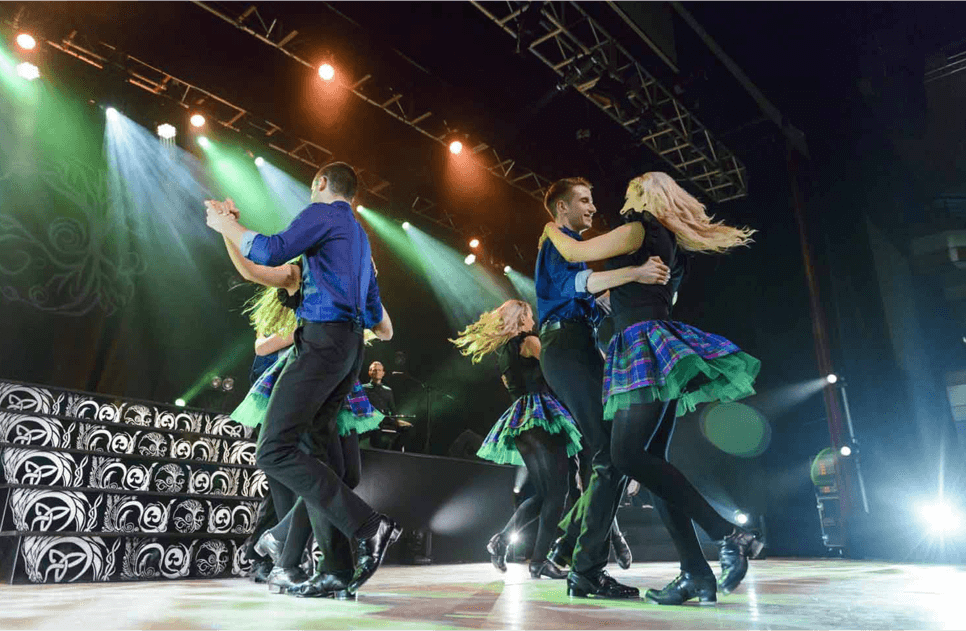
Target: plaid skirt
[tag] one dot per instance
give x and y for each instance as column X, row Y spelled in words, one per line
column 540, row 409
column 357, row 414
column 661, row 360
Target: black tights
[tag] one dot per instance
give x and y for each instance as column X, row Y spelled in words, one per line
column 545, row 456
column 640, row 440
column 294, row 528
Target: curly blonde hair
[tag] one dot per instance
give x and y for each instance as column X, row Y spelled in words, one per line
column 492, row 330
column 658, row 194
column 268, row 315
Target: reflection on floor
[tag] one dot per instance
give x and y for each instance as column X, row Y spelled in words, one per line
column 778, row 594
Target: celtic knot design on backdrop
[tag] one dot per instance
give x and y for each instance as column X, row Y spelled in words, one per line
column 14, row 396
column 73, row 264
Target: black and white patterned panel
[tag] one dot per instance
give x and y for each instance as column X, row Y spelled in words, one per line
column 220, row 481
column 35, row 430
column 133, row 513
column 201, row 449
column 236, row 519
column 113, row 473
column 42, row 468
column 254, row 483
column 68, row 559
column 240, row 452
column 158, row 558
column 21, row 398
column 106, row 439
column 44, row 510
column 224, row 425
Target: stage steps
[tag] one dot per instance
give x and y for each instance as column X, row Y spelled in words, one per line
column 102, row 488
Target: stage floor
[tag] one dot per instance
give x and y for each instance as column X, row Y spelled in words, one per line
column 778, row 594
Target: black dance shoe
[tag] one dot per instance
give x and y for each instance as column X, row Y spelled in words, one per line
column 325, row 585
column 281, row 580
column 547, row 569
column 497, row 547
column 268, row 546
column 371, row 550
column 261, row 570
column 621, row 550
column 682, row 589
column 734, row 552
column 561, row 553
column 600, row 585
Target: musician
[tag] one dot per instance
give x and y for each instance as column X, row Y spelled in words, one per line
column 379, row 394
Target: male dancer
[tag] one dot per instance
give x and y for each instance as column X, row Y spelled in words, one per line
column 573, row 367
column 340, row 298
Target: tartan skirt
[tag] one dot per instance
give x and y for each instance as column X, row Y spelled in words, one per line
column 537, row 410
column 663, row 360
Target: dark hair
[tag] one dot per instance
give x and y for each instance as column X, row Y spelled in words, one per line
column 562, row 189
column 342, row 180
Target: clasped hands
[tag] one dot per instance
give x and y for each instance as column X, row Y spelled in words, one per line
column 220, row 214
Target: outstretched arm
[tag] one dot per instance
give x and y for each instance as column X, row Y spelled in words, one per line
column 287, row 276
column 268, row 345
column 622, row 240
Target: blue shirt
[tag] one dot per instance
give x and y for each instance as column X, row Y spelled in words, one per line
column 338, row 283
column 562, row 287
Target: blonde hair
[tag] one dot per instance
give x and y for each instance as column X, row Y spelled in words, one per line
column 658, row 194
column 492, row 330
column 268, row 315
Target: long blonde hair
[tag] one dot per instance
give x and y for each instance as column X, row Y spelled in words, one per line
column 268, row 315
column 658, row 194
column 493, row 329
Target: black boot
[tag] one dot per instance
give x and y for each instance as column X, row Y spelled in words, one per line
column 325, row 585
column 682, row 589
column 268, row 546
column 561, row 553
column 497, row 547
column 622, row 551
column 547, row 569
column 282, row 580
column 261, row 570
column 371, row 551
column 600, row 585
column 734, row 552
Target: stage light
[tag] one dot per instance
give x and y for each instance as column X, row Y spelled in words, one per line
column 180, row 403
column 507, row 269
column 215, row 383
column 474, row 243
column 259, row 161
column 111, row 112
column 360, row 208
column 204, row 142
column 28, row 71
column 406, row 225
column 227, row 384
column 455, row 147
column 167, row 131
column 470, row 259
column 741, row 518
column 845, row 451
column 940, row 517
column 514, row 537
column 327, row 72
column 26, row 42
column 833, row 378
column 198, row 120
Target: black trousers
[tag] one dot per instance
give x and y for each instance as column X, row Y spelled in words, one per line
column 574, row 369
column 641, row 438
column 305, row 402
column 265, row 519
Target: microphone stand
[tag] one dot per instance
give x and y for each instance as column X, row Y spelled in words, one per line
column 429, row 390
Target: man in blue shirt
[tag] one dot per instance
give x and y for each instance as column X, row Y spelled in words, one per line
column 574, row 368
column 340, row 298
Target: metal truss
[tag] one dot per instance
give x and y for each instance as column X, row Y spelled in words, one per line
column 403, row 107
column 585, row 56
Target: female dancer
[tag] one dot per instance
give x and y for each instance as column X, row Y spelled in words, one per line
column 657, row 369
column 537, row 431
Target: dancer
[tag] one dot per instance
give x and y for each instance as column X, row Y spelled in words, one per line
column 339, row 299
column 657, row 369
column 574, row 369
column 536, row 431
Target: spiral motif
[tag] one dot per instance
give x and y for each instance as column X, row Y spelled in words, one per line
column 67, row 235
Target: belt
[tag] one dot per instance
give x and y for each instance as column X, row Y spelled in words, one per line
column 556, row 325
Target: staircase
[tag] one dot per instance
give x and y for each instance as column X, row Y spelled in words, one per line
column 98, row 488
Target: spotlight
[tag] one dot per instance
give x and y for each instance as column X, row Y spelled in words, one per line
column 259, row 161
column 167, row 131
column 180, row 403
column 26, row 42
column 327, row 72
column 111, row 112
column 28, row 71
column 360, row 208
column 198, row 120
column 507, row 269
column 845, row 450
column 741, row 518
column 406, row 225
column 940, row 517
column 227, row 384
column 514, row 537
column 833, row 378
column 474, row 243
column 215, row 383
column 455, row 147
column 470, row 259
column 204, row 142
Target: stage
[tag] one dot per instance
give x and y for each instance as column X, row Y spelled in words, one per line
column 777, row 594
